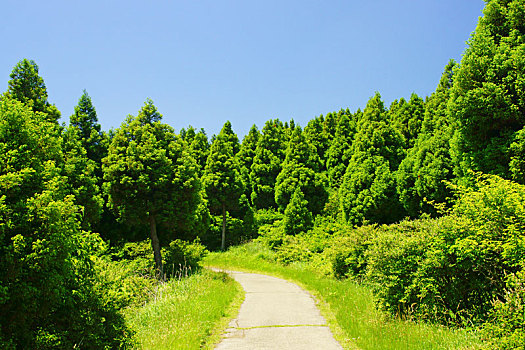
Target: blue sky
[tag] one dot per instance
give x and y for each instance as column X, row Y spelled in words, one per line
column 204, row 62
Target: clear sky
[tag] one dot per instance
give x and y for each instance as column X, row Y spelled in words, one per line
column 207, row 61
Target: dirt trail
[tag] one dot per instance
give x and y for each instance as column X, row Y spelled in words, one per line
column 276, row 314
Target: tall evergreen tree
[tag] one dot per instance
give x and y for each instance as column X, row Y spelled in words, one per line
column 487, row 98
column 29, row 88
column 297, row 216
column 316, row 136
column 86, row 121
column 83, row 179
column 407, row 117
column 421, row 175
column 338, row 155
column 267, row 162
column 221, row 178
column 200, row 150
column 151, row 179
column 301, row 169
column 245, row 156
column 368, row 191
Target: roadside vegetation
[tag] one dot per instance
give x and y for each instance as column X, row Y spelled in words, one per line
column 409, row 215
column 348, row 306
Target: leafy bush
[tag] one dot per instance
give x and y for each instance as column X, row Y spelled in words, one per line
column 450, row 269
column 272, row 235
column 182, row 254
column 347, row 251
column 267, row 216
column 505, row 328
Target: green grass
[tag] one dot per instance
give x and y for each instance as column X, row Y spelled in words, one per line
column 187, row 313
column 348, row 307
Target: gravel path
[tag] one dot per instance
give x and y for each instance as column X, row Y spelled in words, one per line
column 276, row 314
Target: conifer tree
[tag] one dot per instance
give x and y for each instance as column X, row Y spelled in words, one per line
column 83, row 179
column 200, row 149
column 338, row 155
column 407, row 117
column 487, row 98
column 151, row 179
column 267, row 162
column 245, row 156
column 368, row 191
column 221, row 178
column 316, row 136
column 301, row 170
column 297, row 216
column 188, row 134
column 86, row 121
column 29, row 88
column 421, row 175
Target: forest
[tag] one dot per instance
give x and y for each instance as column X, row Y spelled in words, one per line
column 421, row 200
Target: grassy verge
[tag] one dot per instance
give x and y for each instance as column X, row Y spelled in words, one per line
column 348, row 307
column 189, row 313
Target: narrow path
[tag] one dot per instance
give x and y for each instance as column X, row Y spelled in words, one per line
column 276, row 314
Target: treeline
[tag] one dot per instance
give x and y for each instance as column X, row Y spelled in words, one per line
column 67, row 190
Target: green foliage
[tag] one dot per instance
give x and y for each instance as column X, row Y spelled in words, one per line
column 297, row 217
column 267, row 163
column 184, row 255
column 339, row 153
column 200, row 150
column 92, row 139
column 150, row 177
column 300, row 170
column 488, row 97
column 49, row 295
column 83, row 181
column 29, row 88
column 245, row 156
column 420, row 179
column 221, row 179
column 368, row 190
column 407, row 117
column 317, row 137
column 504, row 327
column 452, row 268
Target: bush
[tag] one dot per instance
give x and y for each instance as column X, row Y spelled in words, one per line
column 505, row 328
column 347, row 251
column 451, row 269
column 183, row 255
column 272, row 235
column 267, row 217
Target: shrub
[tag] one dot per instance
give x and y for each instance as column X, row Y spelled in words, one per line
column 272, row 235
column 451, row 269
column 505, row 328
column 183, row 255
column 347, row 251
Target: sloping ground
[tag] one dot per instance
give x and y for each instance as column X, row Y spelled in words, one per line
column 276, row 314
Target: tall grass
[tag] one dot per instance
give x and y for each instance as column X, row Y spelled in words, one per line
column 186, row 313
column 348, row 307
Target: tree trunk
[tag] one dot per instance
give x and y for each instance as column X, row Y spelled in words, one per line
column 223, row 242
column 156, row 246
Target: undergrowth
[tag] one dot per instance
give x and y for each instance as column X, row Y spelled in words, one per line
column 186, row 313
